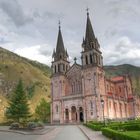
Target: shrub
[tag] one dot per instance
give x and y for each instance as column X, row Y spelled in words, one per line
column 96, row 122
column 133, row 127
column 14, row 126
column 125, row 127
column 94, row 127
column 31, row 125
column 115, row 135
column 40, row 124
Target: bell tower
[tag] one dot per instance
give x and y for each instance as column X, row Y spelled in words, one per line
column 92, row 74
column 91, row 54
column 60, row 66
column 60, row 56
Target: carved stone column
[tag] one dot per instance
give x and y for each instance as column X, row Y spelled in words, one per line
column 78, row 116
column 70, row 115
column 64, row 116
column 85, row 110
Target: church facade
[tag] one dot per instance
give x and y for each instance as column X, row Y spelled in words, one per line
column 81, row 93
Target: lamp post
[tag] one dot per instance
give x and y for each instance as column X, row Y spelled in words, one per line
column 102, row 102
column 134, row 107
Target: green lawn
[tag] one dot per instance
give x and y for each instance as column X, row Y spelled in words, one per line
column 135, row 134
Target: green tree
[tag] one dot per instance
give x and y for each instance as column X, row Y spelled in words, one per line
column 43, row 110
column 18, row 109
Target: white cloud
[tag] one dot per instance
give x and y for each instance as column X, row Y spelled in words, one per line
column 122, row 51
column 27, row 24
column 33, row 53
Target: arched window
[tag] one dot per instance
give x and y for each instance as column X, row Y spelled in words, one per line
column 120, row 89
column 126, row 110
column 58, row 67
column 91, row 60
column 109, row 106
column 91, row 104
column 56, row 108
column 86, row 60
column 115, row 109
column 72, row 88
column 121, row 110
column 92, row 45
column 95, row 57
column 64, row 67
column 78, row 86
column 99, row 60
column 107, row 87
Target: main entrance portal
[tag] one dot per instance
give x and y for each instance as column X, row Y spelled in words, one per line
column 73, row 114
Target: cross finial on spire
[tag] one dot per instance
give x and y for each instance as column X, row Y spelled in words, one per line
column 87, row 11
column 75, row 59
column 59, row 24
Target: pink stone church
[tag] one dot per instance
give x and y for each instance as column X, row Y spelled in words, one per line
column 81, row 93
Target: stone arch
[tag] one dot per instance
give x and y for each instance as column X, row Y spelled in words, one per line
column 81, row 114
column 55, row 69
column 67, row 115
column 73, row 114
column 91, row 59
column 86, row 59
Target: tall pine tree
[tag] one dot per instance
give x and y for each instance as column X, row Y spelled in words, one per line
column 18, row 106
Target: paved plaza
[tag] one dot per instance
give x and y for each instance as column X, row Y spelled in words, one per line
column 66, row 132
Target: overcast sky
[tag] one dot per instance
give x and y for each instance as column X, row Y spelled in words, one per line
column 30, row 28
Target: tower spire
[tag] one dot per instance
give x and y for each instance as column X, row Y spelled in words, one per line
column 60, row 63
column 89, row 36
column 60, row 49
column 90, row 43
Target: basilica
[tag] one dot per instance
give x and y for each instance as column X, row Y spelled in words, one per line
column 81, row 92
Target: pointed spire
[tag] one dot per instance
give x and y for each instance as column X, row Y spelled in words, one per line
column 89, row 36
column 60, row 50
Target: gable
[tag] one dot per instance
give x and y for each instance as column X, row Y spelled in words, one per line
column 74, row 71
